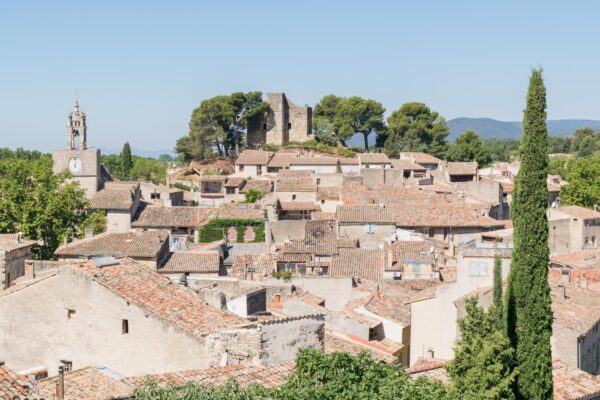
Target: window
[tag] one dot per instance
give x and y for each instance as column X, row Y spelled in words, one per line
column 124, row 327
column 318, row 181
column 258, row 169
column 293, row 197
column 370, row 229
column 322, row 201
column 289, row 125
column 230, row 190
column 241, row 167
column 478, row 269
column 70, row 314
column 155, row 195
column 265, row 127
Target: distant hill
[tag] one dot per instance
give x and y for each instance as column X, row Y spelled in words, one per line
column 490, row 128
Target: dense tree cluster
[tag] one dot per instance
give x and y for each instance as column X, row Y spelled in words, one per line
column 41, row 205
column 336, row 376
column 136, row 168
column 468, row 147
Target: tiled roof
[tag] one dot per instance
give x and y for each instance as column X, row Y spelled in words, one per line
column 292, row 173
column 404, row 250
column 573, row 384
column 12, row 384
column 263, row 265
column 241, row 211
column 281, row 160
column 580, row 212
column 462, row 168
column 336, row 342
column 406, row 165
column 328, row 193
column 261, row 185
column 586, row 259
column 432, row 369
column 299, row 206
column 455, row 214
column 267, row 376
column 11, row 241
column 419, row 157
column 392, row 307
column 314, row 161
column 254, row 157
column 295, row 185
column 115, row 196
column 448, row 273
column 579, row 310
column 322, row 216
column 88, row 383
column 159, row 296
column 312, row 299
column 173, row 217
column 131, row 244
column 180, row 262
column 234, row 182
column 373, row 158
column 367, row 214
column 358, row 263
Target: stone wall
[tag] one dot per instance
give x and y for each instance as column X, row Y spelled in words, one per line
column 282, row 339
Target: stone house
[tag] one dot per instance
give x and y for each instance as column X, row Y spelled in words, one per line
column 410, row 259
column 455, row 171
column 409, row 168
column 573, row 228
column 119, row 201
column 241, row 212
column 14, row 250
column 296, row 186
column 161, row 195
column 233, row 188
column 182, row 222
column 374, row 160
column 149, row 248
column 370, row 224
column 582, row 266
column 284, row 122
column 434, row 311
column 252, row 163
column 164, row 326
column 426, row 160
column 193, row 265
column 212, row 190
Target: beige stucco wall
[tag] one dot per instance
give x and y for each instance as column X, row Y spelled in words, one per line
column 367, row 240
column 118, row 221
column 36, row 330
column 300, row 196
column 317, row 169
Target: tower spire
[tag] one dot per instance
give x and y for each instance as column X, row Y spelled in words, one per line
column 76, row 100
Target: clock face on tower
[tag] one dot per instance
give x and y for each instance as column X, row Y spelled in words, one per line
column 75, row 165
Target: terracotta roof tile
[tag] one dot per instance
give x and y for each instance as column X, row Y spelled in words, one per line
column 462, row 168
column 572, row 383
column 373, row 158
column 180, row 262
column 254, row 157
column 336, row 342
column 11, row 241
column 295, row 185
column 419, row 157
column 358, row 263
column 115, row 196
column 406, row 165
column 261, row 185
column 12, row 384
column 580, row 212
column 328, row 193
column 323, row 216
column 241, row 211
column 260, row 265
column 299, row 206
column 161, row 297
column 130, row 244
column 173, row 217
column 235, row 182
column 87, row 384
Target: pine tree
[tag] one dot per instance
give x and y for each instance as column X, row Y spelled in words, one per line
column 529, row 312
column 126, row 160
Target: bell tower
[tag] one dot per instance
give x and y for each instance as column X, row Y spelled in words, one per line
column 76, row 129
column 81, row 161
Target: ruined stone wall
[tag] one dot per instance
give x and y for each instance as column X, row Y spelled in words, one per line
column 300, row 122
column 282, row 339
column 234, row 346
column 277, row 119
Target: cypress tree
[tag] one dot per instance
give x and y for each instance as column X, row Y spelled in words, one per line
column 126, row 160
column 498, row 286
column 529, row 312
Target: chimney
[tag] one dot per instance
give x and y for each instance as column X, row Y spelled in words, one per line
column 60, row 386
column 561, row 294
column 277, row 298
column 19, row 237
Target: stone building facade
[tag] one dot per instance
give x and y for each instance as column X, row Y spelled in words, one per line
column 284, row 122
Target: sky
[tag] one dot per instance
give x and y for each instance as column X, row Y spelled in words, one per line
column 141, row 67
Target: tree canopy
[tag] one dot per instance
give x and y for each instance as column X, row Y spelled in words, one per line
column 469, row 147
column 220, row 123
column 414, row 127
column 337, row 119
column 126, row 160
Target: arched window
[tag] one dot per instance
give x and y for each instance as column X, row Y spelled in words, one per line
column 76, row 139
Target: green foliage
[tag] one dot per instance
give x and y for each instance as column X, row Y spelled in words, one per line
column 502, row 149
column 95, row 221
column 126, row 160
column 558, row 166
column 337, row 119
column 285, row 275
column 143, row 168
column 579, row 136
column 588, row 146
column 583, row 176
column 253, row 195
column 414, row 127
column 216, row 229
column 182, row 186
column 469, row 147
column 21, row 154
column 322, row 148
column 220, row 123
column 558, row 144
column 337, row 376
column 528, row 312
column 41, row 205
column 166, row 158
column 484, row 361
column 497, row 294
column 270, row 147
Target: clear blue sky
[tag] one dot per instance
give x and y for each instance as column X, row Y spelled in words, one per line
column 142, row 66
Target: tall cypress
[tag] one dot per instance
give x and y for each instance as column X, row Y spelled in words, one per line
column 529, row 312
column 126, row 160
column 498, row 286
